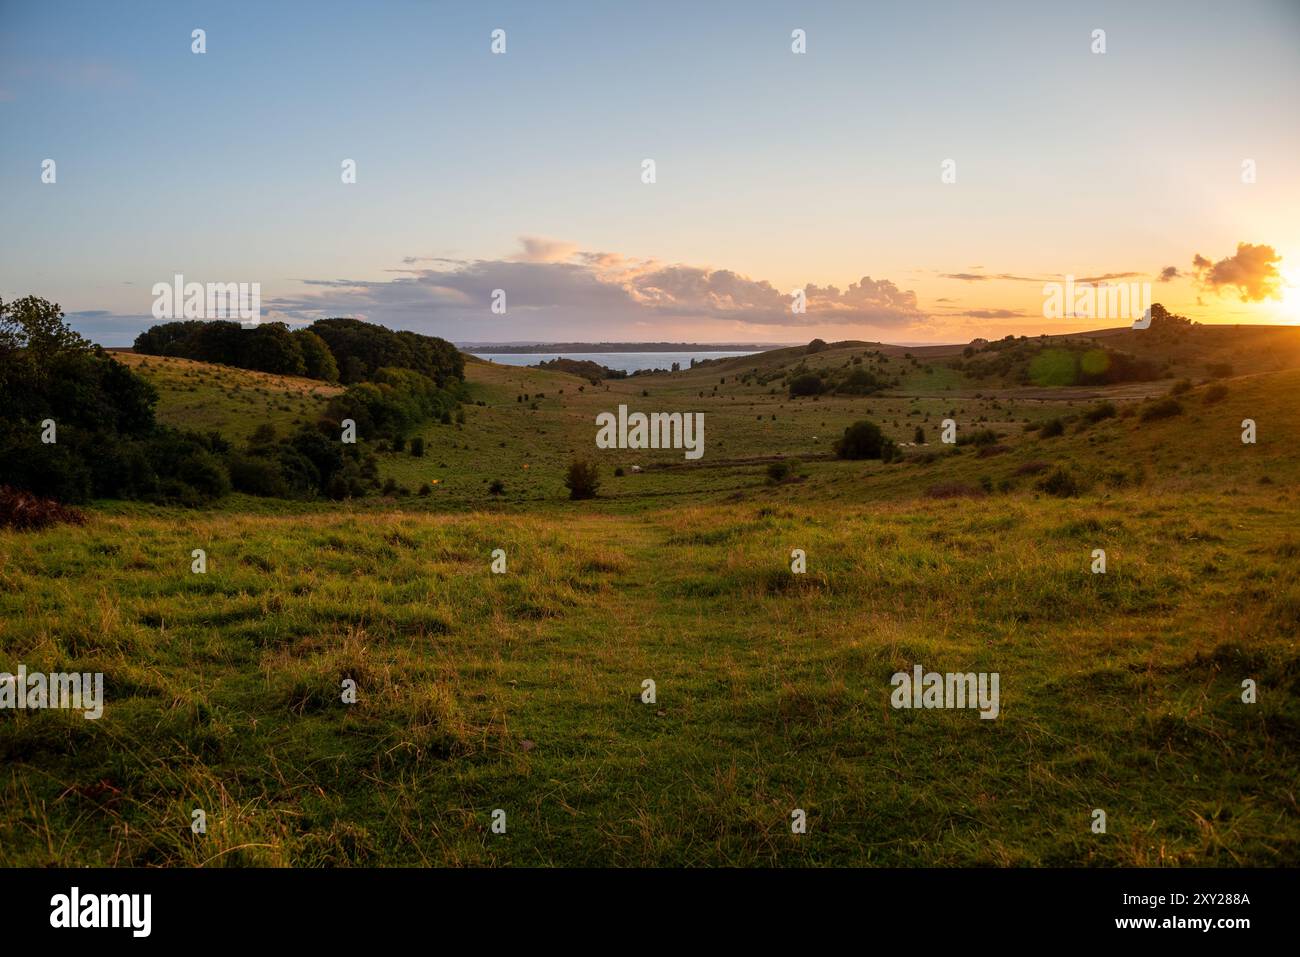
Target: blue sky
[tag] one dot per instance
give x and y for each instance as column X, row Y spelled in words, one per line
column 774, row 170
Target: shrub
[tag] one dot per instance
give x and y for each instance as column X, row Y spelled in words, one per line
column 1102, row 410
column 919, row 436
column 1181, row 386
column 778, row 471
column 399, row 443
column 859, row 382
column 1052, row 428
column 1215, row 393
column 954, row 490
column 1060, row 483
column 424, row 489
column 23, row 511
column 978, row 438
column 1162, row 409
column 810, row 383
column 864, row 440
column 582, row 480
column 618, row 472
column 417, row 446
column 257, row 475
column 1033, row 468
column 497, row 487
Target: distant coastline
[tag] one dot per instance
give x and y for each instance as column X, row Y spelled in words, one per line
column 594, row 348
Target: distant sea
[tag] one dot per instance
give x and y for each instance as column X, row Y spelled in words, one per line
column 623, row 361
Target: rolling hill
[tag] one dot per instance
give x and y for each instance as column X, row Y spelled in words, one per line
column 522, row 691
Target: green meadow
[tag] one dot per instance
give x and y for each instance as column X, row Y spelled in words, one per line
column 523, row 691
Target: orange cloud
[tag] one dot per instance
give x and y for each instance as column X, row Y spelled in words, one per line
column 1252, row 272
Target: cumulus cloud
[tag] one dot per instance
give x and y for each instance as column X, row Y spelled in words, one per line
column 1168, row 273
column 1252, row 273
column 538, row 249
column 553, row 288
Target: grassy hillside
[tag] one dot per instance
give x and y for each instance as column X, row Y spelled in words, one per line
column 521, row 691
column 234, row 402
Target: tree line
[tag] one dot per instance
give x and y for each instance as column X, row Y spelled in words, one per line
column 331, row 350
column 79, row 425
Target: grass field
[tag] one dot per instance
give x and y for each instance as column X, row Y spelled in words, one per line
column 522, row 691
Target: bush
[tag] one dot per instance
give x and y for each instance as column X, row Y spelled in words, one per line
column 810, row 383
column 978, row 438
column 919, row 436
column 417, row 446
column 1102, row 410
column 257, row 475
column 497, row 487
column 1033, row 468
column 1060, row 483
column 1052, row 428
column 859, row 382
column 864, row 440
column 582, row 480
column 1215, row 393
column 1181, row 386
column 778, row 471
column 954, row 490
column 1162, row 409
column 23, row 511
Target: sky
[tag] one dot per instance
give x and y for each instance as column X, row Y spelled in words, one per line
column 774, row 171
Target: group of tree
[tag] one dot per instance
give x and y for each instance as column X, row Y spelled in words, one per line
column 593, row 372
column 1047, row 362
column 267, row 347
column 79, row 424
column 394, row 403
column 332, row 350
column 855, row 381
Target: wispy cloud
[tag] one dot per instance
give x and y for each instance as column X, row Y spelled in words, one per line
column 995, row 314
